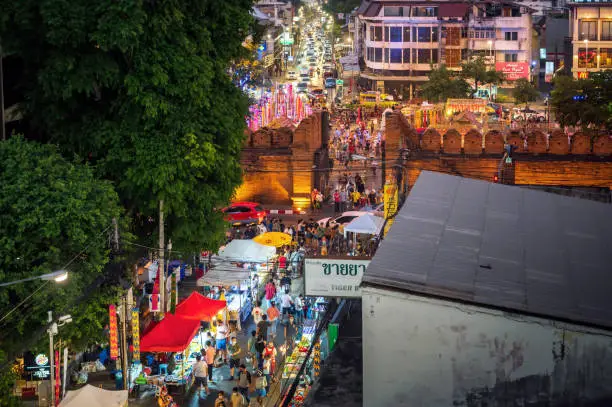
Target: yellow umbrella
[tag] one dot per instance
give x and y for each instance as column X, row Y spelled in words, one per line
column 276, row 239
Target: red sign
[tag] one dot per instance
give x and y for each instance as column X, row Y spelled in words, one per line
column 513, row 70
column 114, row 338
column 583, row 74
column 57, row 378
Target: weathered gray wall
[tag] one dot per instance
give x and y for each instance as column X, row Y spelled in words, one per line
column 425, row 352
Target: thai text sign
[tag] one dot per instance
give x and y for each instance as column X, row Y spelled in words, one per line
column 113, row 333
column 135, row 334
column 513, row 70
column 390, row 198
column 326, row 277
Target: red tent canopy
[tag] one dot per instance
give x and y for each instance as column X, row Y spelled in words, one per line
column 171, row 334
column 198, row 307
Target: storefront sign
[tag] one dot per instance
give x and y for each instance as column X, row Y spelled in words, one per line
column 41, row 370
column 113, row 332
column 154, row 302
column 390, row 199
column 58, row 381
column 513, row 70
column 135, row 335
column 326, row 277
column 583, row 74
column 549, row 71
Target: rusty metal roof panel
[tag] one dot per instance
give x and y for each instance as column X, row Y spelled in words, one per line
column 501, row 246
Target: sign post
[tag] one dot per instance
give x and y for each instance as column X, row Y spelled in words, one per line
column 329, row 277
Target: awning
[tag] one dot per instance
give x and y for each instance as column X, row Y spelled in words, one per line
column 198, row 307
column 247, row 251
column 92, row 396
column 274, row 239
column 171, row 334
column 368, row 223
column 224, row 277
column 452, row 9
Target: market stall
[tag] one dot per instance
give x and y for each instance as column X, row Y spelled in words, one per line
column 369, row 225
column 176, row 335
column 92, row 396
column 246, row 251
column 199, row 307
column 274, row 239
column 233, row 285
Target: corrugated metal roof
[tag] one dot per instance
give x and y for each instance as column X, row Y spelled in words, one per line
column 501, row 246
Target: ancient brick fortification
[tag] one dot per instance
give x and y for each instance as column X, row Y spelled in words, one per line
column 557, row 160
column 278, row 163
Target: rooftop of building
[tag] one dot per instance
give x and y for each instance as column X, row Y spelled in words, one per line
column 448, row 8
column 500, row 246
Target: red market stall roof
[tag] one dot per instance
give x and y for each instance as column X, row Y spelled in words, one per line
column 199, row 307
column 171, row 334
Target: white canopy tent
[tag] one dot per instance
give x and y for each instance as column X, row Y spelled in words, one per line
column 367, row 223
column 92, row 396
column 247, row 251
column 224, row 276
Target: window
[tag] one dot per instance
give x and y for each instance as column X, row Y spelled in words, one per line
column 371, row 33
column 377, row 33
column 377, row 54
column 453, row 57
column 424, row 56
column 510, row 57
column 370, row 54
column 588, row 30
column 406, row 55
column 393, row 11
column 434, row 34
column 424, row 12
column 464, row 32
column 434, row 56
column 406, row 34
column 386, row 34
column 587, row 59
column 464, row 54
column 396, row 34
column 511, row 36
column 424, row 34
column 605, row 59
column 396, row 56
column 606, row 31
column 387, row 55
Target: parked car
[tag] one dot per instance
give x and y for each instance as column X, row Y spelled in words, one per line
column 302, row 87
column 292, row 75
column 378, row 210
column 330, row 82
column 343, row 219
column 244, row 212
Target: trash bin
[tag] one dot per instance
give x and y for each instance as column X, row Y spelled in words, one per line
column 119, row 380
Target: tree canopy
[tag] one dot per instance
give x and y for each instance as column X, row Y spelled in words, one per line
column 53, row 214
column 586, row 103
column 524, row 92
column 476, row 71
column 444, row 84
column 139, row 89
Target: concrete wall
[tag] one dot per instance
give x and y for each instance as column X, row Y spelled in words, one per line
column 425, row 352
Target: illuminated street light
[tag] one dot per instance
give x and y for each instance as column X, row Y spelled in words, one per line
column 58, row 276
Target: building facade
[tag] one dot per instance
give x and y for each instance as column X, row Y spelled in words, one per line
column 591, row 36
column 400, row 41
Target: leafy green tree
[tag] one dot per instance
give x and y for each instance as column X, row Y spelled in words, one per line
column 140, row 89
column 476, row 71
column 443, row 84
column 53, row 214
column 524, row 92
column 586, row 103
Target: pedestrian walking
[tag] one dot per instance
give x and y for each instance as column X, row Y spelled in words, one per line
column 336, row 201
column 235, row 352
column 299, row 312
column 257, row 313
column 200, row 371
column 237, row 399
column 244, row 382
column 260, row 346
column 251, row 349
column 262, row 327
column 273, row 315
column 291, row 330
column 221, row 400
column 209, row 356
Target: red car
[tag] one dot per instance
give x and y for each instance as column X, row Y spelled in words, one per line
column 244, row 212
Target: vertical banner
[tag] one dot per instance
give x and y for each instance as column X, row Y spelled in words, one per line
column 332, row 335
column 135, row 335
column 113, row 332
column 58, row 382
column 390, row 204
column 65, row 372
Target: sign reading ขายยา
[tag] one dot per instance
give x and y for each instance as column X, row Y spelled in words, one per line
column 325, row 277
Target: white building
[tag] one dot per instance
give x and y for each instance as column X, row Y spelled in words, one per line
column 591, row 33
column 543, row 7
column 485, row 294
column 400, row 41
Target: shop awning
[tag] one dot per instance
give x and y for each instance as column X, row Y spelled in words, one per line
column 452, row 9
column 275, row 239
column 198, row 307
column 171, row 334
column 367, row 223
column 247, row 251
column 92, row 396
column 224, row 277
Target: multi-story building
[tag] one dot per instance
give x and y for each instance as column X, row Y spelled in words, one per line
column 401, row 41
column 591, row 34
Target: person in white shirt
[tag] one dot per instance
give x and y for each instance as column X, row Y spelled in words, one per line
column 257, row 313
column 200, row 371
column 286, row 303
column 261, row 228
column 299, row 309
column 221, row 339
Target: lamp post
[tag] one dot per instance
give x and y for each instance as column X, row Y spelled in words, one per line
column 57, row 276
column 53, row 330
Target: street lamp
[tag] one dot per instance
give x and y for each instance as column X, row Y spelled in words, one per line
column 57, row 276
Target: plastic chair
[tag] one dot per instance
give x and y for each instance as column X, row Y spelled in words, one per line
column 163, row 368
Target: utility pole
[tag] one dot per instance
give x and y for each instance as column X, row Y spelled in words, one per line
column 51, row 356
column 124, row 347
column 162, row 270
